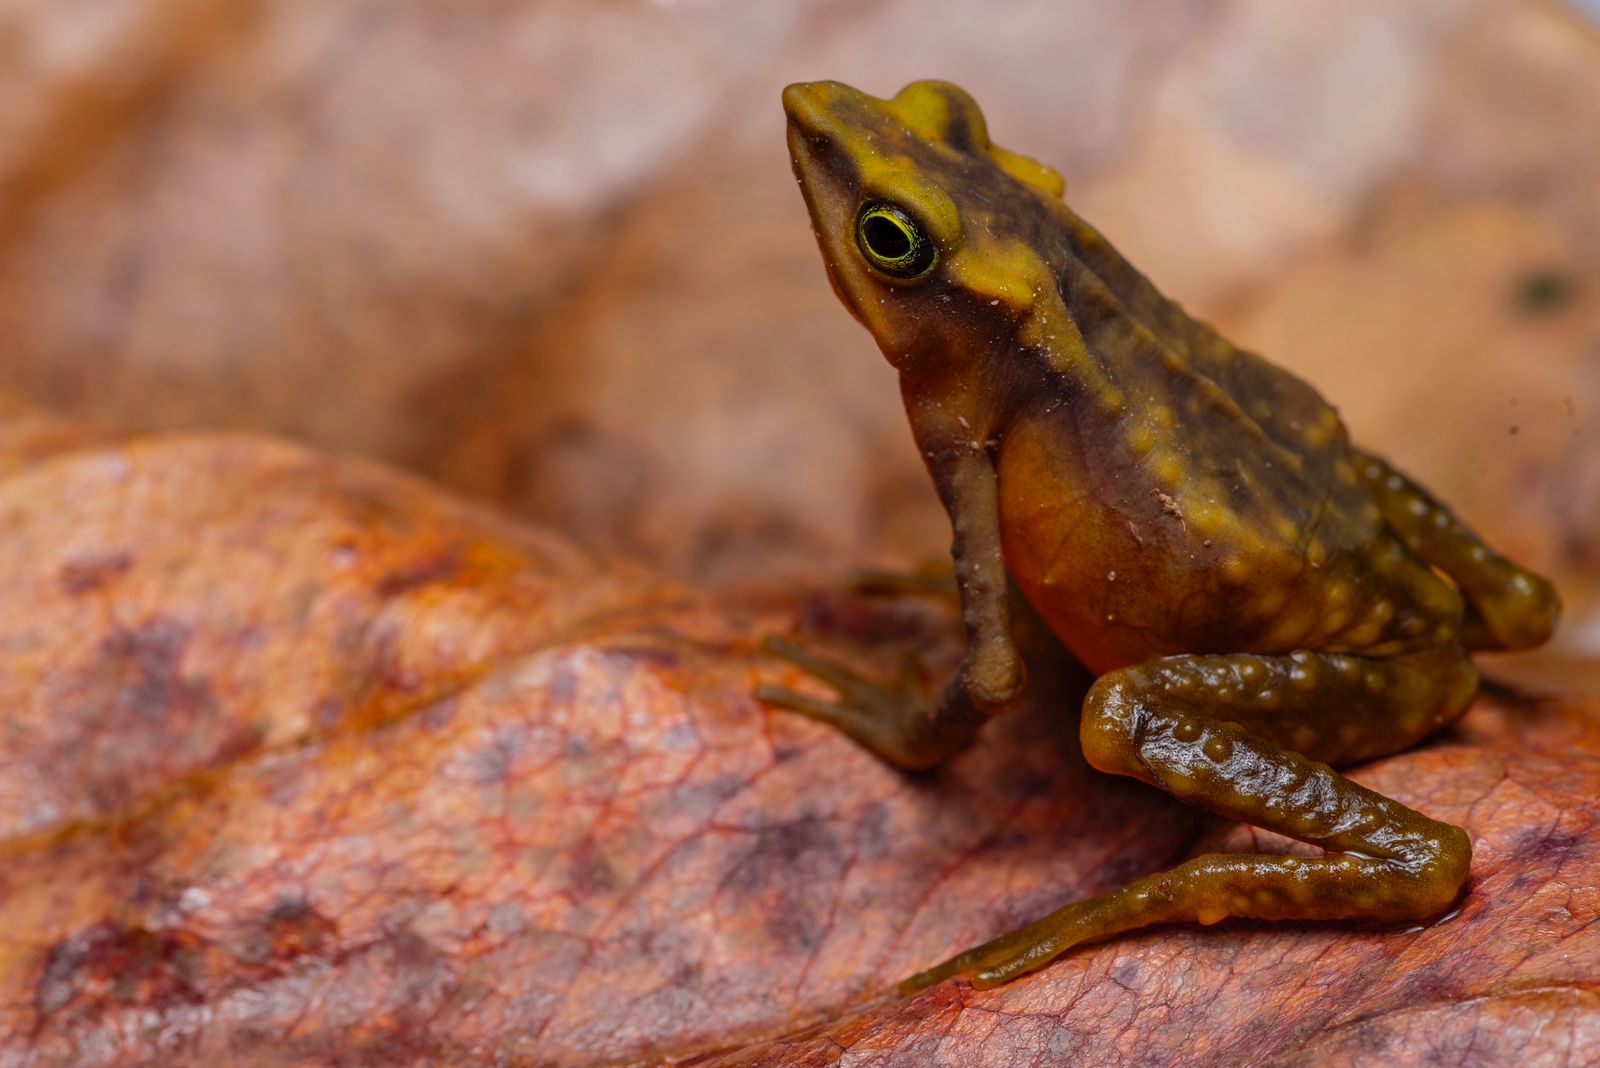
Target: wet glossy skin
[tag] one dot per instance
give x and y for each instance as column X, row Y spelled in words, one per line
column 1259, row 598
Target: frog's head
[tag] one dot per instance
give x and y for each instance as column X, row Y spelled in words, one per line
column 937, row 239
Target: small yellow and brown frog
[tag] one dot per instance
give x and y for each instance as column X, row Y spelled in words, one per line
column 1259, row 598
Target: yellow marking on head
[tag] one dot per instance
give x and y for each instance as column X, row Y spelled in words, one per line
column 1141, row 439
column 1006, row 270
column 926, row 109
column 1045, row 324
column 1029, row 172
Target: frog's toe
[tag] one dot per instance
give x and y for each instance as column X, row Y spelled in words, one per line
column 858, row 694
column 936, row 581
column 835, row 674
column 868, row 714
column 795, row 701
column 977, row 959
column 895, row 721
column 1011, row 955
column 1031, row 958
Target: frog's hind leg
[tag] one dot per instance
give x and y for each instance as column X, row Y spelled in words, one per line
column 1509, row 607
column 1227, row 733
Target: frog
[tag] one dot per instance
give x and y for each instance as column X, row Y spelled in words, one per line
column 1259, row 600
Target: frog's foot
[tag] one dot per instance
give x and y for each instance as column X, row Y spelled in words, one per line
column 901, row 724
column 1508, row 606
column 1202, row 729
column 936, row 580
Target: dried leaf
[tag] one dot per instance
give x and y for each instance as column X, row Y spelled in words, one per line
column 310, row 764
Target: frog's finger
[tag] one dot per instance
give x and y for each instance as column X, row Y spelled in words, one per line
column 940, row 584
column 833, row 673
column 794, row 701
column 876, row 719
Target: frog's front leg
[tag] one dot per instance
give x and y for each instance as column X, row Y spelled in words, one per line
column 904, row 727
column 1508, row 606
column 1222, row 732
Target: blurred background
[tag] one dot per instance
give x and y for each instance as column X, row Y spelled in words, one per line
column 550, row 254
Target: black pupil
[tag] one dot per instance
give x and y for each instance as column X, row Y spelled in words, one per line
column 887, row 238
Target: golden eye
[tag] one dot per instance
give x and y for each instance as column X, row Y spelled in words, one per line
column 892, row 241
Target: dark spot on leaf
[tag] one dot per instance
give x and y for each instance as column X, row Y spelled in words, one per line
column 291, row 929
column 872, row 832
column 791, row 874
column 142, row 707
column 492, row 763
column 1545, row 291
column 107, row 965
column 142, row 670
column 563, row 684
column 1550, row 847
column 440, row 568
column 438, row 715
column 83, row 574
column 588, row 871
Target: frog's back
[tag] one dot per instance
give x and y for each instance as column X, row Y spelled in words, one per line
column 1217, row 508
column 1195, row 358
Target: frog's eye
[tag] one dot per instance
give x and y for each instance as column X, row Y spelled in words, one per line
column 892, row 241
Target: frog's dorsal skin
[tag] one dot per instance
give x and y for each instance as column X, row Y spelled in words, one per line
column 1255, row 592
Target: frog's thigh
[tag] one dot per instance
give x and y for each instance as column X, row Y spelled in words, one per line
column 1334, row 707
column 1510, row 607
column 1176, row 724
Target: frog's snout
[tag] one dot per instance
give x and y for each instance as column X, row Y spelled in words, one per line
column 806, row 105
column 822, row 111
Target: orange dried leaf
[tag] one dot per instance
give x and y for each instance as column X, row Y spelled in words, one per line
column 306, row 762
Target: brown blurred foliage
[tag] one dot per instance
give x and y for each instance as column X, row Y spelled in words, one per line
column 304, row 761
